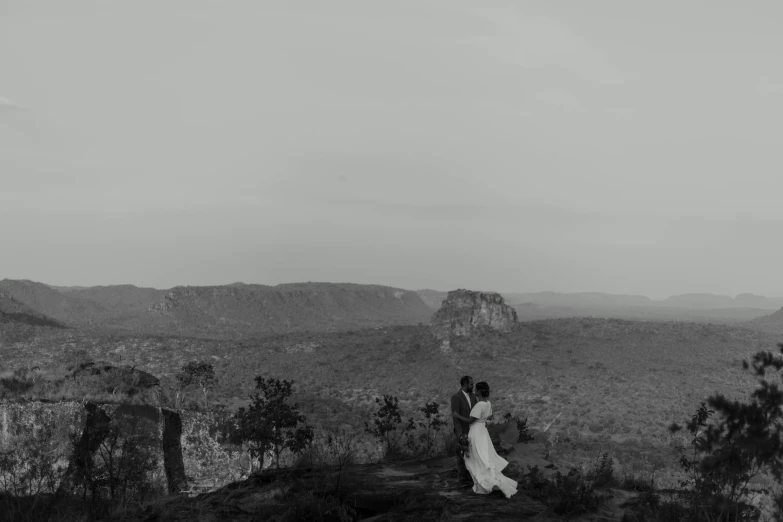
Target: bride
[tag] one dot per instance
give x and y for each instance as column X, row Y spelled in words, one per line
column 483, row 463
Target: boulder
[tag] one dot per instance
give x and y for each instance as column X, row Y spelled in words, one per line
column 140, row 378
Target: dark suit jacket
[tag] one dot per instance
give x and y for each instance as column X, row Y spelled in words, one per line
column 460, row 404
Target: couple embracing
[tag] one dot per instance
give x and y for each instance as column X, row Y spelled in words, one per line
column 477, row 461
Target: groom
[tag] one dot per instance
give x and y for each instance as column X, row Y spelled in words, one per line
column 461, row 403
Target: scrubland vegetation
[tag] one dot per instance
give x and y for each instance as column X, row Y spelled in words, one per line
column 601, row 395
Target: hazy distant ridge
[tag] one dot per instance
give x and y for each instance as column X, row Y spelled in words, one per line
column 223, row 311
column 693, row 300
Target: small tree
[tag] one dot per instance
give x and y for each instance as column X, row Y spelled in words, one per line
column 431, row 426
column 340, row 450
column 271, row 424
column 522, row 427
column 30, row 464
column 126, row 458
column 386, row 425
column 201, row 374
column 742, row 443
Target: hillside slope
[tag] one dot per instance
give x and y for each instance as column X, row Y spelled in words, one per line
column 432, row 298
column 12, row 310
column 19, row 322
column 772, row 323
column 257, row 309
column 47, row 301
column 580, row 299
column 228, row 311
column 117, row 298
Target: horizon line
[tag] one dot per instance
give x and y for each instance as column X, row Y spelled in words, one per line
column 554, row 292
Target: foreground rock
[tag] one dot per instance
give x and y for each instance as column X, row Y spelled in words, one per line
column 417, row 490
column 405, row 491
column 194, row 450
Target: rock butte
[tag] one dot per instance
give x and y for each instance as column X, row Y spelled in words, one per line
column 464, row 312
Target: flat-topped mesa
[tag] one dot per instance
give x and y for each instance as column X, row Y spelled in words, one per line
column 464, row 311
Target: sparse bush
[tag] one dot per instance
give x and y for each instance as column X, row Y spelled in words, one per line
column 32, row 463
column 634, row 482
column 77, row 358
column 127, row 458
column 271, row 424
column 122, row 466
column 450, row 443
column 649, row 500
column 387, row 427
column 200, row 374
column 566, row 495
column 570, row 495
column 742, row 443
column 534, row 483
column 339, row 452
column 12, row 385
column 33, row 469
column 430, row 427
column 524, row 430
column 603, row 472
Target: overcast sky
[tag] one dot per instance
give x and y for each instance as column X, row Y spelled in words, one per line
column 614, row 146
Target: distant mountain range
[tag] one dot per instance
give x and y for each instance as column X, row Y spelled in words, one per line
column 433, row 298
column 227, row 311
column 534, row 306
column 701, row 301
column 245, row 310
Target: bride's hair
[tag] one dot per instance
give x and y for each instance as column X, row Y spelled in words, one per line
column 482, row 387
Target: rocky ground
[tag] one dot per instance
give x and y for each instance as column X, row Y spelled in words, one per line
column 405, row 491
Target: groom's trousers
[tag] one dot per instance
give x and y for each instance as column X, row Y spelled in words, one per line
column 462, row 471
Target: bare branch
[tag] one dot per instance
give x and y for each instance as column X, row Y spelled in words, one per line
column 553, row 421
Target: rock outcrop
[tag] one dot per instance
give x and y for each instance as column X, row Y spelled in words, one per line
column 140, row 378
column 96, row 429
column 465, row 311
column 404, row 491
column 194, row 451
column 171, row 442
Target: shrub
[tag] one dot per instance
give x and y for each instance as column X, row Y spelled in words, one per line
column 450, row 443
column 31, row 464
column 40, row 472
column 534, row 483
column 387, row 427
column 566, row 495
column 76, row 358
column 634, row 482
column 743, row 442
column 340, row 451
column 129, row 456
column 271, row 424
column 432, row 424
column 603, row 472
column 524, row 430
column 570, row 495
column 200, row 374
column 124, row 462
column 11, row 385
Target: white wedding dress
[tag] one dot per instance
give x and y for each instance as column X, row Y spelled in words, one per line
column 483, row 463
